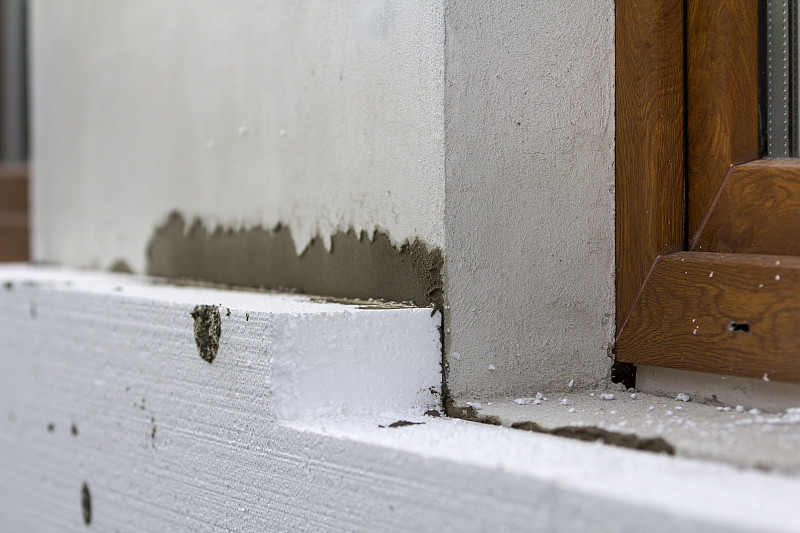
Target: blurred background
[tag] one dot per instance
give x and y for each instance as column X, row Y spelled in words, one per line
column 14, row 222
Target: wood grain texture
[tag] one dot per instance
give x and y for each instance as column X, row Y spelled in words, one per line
column 757, row 211
column 649, row 143
column 13, row 187
column 14, row 225
column 722, row 96
column 729, row 314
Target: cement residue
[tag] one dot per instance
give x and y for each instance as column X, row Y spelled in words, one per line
column 207, row 330
column 86, row 504
column 593, row 433
column 355, row 267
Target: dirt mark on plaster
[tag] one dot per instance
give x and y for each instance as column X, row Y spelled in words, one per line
column 355, row 267
column 86, row 504
column 207, row 330
column 593, row 433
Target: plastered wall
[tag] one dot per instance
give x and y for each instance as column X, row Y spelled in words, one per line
column 529, row 195
column 319, row 115
column 482, row 129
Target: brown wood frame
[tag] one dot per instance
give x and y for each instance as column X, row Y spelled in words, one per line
column 14, row 229
column 731, row 312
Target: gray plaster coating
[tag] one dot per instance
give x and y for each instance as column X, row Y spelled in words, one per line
column 355, row 267
column 529, row 195
column 746, row 438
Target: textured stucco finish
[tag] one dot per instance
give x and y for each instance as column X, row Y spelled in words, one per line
column 529, row 194
column 137, row 109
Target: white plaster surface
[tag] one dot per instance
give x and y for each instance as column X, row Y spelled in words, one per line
column 746, row 438
column 167, row 442
column 483, row 128
column 319, row 115
column 529, row 195
column 771, row 396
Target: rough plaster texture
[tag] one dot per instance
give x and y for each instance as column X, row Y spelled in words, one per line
column 165, row 441
column 529, row 195
column 747, row 438
column 319, row 115
column 482, row 128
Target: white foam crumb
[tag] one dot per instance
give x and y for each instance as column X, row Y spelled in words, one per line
column 777, row 263
column 591, row 394
column 777, row 277
column 679, row 407
column 456, row 356
column 491, row 367
column 563, row 401
column 490, row 404
column 683, row 397
column 766, row 377
column 524, row 401
column 650, row 408
column 242, row 131
column 739, row 409
column 754, row 411
column 282, row 133
column 571, row 410
column 694, row 320
column 448, row 330
column 633, row 396
column 571, row 383
column 669, row 413
column 726, row 408
column 612, row 412
column 711, row 275
column 760, row 285
column 474, row 405
column 210, row 144
column 607, row 396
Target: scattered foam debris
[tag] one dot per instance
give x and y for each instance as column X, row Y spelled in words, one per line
column 474, row 405
column 683, row 397
column 571, row 383
column 754, row 411
column 739, row 409
column 456, row 356
column 563, row 401
column 491, row 367
column 766, row 377
column 633, row 396
column 607, row 396
column 571, row 410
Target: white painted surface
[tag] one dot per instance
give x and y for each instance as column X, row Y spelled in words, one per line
column 497, row 147
column 750, row 393
column 119, row 363
column 319, row 115
column 529, row 195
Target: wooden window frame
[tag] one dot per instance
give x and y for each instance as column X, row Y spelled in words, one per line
column 707, row 234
